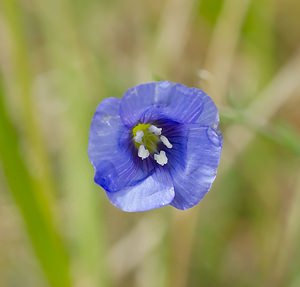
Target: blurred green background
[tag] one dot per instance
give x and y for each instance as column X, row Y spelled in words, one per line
column 60, row 58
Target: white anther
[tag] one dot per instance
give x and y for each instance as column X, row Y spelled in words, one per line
column 166, row 142
column 161, row 158
column 155, row 130
column 139, row 136
column 143, row 153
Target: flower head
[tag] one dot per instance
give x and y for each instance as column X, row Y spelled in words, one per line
column 158, row 145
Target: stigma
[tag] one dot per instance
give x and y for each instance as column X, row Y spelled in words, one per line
column 146, row 139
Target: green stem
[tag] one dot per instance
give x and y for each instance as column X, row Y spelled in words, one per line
column 22, row 186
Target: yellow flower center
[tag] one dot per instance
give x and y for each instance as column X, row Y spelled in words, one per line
column 148, row 138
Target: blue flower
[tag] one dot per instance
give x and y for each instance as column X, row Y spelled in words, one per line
column 158, row 145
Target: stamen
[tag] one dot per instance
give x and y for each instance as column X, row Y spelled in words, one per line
column 139, row 136
column 166, row 142
column 143, row 153
column 155, row 130
column 161, row 158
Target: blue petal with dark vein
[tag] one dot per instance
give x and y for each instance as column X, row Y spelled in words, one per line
column 177, row 135
column 174, row 101
column 153, row 192
column 209, row 115
column 110, row 149
column 194, row 176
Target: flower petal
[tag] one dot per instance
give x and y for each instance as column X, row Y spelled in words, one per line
column 153, row 192
column 135, row 101
column 193, row 178
column 109, row 149
column 209, row 115
column 175, row 101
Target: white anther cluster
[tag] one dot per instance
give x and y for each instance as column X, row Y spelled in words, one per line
column 143, row 153
column 155, row 130
column 139, row 136
column 161, row 158
column 166, row 142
